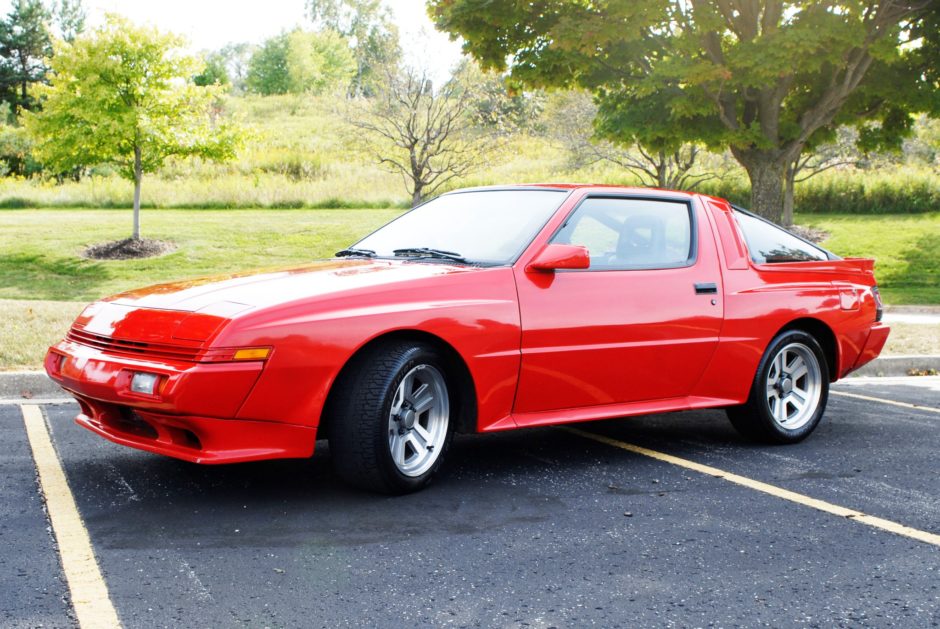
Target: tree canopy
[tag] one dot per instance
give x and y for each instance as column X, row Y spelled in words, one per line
column 214, row 71
column 368, row 28
column 300, row 61
column 69, row 18
column 24, row 46
column 123, row 95
column 318, row 62
column 764, row 78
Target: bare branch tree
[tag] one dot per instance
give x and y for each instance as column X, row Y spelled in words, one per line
column 574, row 129
column 841, row 152
column 429, row 136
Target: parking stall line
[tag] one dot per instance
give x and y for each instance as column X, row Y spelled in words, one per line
column 869, row 398
column 778, row 492
column 88, row 590
column 56, row 401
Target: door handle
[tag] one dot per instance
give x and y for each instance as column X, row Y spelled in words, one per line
column 706, row 288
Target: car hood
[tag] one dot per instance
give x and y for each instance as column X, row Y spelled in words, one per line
column 227, row 295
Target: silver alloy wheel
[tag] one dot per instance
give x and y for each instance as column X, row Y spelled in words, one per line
column 794, row 386
column 417, row 422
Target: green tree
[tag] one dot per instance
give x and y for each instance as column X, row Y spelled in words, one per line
column 214, row 71
column 123, row 95
column 367, row 25
column 16, row 147
column 570, row 119
column 498, row 105
column 267, row 68
column 318, row 62
column 760, row 77
column 69, row 18
column 24, row 46
column 300, row 61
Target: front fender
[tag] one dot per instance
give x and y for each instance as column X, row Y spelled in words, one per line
column 475, row 313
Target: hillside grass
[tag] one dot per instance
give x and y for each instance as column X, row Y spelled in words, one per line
column 906, row 249
column 303, row 153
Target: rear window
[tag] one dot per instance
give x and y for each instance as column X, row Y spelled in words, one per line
column 769, row 243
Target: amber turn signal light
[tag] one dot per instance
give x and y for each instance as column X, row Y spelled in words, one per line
column 251, row 353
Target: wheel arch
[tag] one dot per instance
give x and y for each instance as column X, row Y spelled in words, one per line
column 455, row 364
column 824, row 335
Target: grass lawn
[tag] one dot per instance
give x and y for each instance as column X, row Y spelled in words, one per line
column 44, row 282
column 906, row 249
column 27, row 328
column 40, row 249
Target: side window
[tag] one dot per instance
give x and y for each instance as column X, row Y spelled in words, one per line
column 631, row 233
column 768, row 243
column 594, row 235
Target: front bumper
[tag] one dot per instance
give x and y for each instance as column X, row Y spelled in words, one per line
column 196, row 439
column 189, row 416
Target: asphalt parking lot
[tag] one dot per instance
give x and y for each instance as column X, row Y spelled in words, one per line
column 538, row 528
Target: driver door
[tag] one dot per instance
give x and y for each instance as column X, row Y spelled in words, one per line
column 640, row 324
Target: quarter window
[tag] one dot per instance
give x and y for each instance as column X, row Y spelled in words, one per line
column 769, row 243
column 631, row 233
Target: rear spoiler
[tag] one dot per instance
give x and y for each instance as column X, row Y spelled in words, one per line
column 865, row 265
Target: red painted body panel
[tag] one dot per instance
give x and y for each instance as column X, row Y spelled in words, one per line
column 610, row 337
column 200, row 439
column 541, row 347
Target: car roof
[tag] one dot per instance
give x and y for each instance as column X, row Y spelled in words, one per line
column 593, row 187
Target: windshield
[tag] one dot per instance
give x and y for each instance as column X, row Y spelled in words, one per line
column 482, row 227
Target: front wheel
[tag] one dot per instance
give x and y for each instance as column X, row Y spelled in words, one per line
column 391, row 423
column 789, row 393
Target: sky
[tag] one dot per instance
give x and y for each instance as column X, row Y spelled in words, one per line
column 211, row 24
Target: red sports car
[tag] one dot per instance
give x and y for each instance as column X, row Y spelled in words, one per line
column 482, row 310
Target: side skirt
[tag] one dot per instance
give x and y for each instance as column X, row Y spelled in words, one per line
column 606, row 411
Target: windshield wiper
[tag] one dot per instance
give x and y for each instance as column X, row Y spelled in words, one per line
column 352, row 251
column 427, row 252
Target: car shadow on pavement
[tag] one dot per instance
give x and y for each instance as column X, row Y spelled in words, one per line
column 136, row 499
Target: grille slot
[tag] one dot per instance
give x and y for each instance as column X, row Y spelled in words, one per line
column 135, row 348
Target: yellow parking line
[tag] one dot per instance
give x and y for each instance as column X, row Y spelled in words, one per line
column 88, row 590
column 868, row 398
column 773, row 490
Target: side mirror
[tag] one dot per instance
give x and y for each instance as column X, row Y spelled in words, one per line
column 555, row 257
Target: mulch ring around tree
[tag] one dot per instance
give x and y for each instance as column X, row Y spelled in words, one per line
column 129, row 249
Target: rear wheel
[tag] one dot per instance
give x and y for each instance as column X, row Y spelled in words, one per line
column 789, row 393
column 391, row 420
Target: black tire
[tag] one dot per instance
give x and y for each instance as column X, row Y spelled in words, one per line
column 755, row 418
column 360, row 416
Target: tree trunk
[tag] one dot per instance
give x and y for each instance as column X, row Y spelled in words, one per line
column 662, row 171
column 767, row 187
column 138, row 175
column 417, row 195
column 790, row 184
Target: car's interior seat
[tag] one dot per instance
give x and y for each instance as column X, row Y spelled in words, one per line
column 642, row 240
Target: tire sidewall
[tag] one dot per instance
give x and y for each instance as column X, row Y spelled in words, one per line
column 780, row 433
column 416, row 355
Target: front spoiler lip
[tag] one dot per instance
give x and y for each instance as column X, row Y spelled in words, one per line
column 220, row 440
